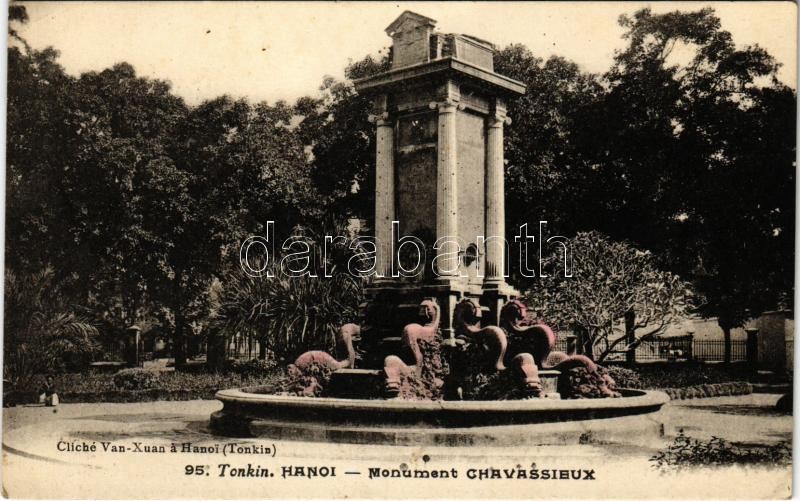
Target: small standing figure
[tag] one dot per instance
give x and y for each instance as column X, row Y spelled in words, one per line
column 48, row 395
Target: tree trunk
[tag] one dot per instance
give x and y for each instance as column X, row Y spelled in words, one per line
column 262, row 349
column 584, row 341
column 588, row 349
column 215, row 350
column 630, row 336
column 179, row 340
column 726, row 331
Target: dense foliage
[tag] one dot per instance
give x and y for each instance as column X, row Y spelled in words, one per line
column 136, row 379
column 290, row 315
column 690, row 157
column 683, row 375
column 170, row 385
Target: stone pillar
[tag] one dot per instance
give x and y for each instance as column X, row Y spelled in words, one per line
column 446, row 183
column 495, row 196
column 572, row 342
column 384, row 192
column 132, row 340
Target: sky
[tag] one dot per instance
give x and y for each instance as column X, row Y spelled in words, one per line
column 272, row 51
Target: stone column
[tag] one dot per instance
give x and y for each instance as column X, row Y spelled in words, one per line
column 446, row 182
column 384, row 192
column 495, row 196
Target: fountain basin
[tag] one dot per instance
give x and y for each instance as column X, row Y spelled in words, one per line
column 252, row 412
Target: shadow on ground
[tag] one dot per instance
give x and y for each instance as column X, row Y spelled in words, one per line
column 744, row 410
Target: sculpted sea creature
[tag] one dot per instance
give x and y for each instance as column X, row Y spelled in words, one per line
column 414, row 333
column 420, row 381
column 536, row 339
column 311, row 365
column 539, row 340
column 395, row 370
column 466, row 321
column 526, row 371
column 347, row 334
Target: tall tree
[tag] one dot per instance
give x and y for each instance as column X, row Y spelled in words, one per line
column 691, row 129
column 124, row 123
column 545, row 173
column 38, row 144
column 335, row 128
column 118, row 186
column 233, row 167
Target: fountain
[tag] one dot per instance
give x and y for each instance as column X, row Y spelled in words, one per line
column 450, row 354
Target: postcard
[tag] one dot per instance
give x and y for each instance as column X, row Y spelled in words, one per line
column 451, row 250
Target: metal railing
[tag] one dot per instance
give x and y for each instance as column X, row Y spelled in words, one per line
column 239, row 347
column 714, row 350
column 678, row 349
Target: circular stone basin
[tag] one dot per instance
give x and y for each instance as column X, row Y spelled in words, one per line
column 255, row 413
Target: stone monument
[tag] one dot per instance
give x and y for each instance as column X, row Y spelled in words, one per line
column 440, row 249
column 477, row 365
column 439, row 114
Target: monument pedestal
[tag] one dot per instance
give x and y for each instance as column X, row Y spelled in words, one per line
column 392, row 305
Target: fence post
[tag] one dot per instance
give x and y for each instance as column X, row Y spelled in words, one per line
column 752, row 347
column 571, row 344
column 581, row 335
column 132, row 339
column 630, row 336
column 580, row 338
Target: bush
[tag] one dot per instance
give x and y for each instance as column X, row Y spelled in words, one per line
column 625, row 378
column 676, row 375
column 42, row 332
column 136, row 379
column 253, row 367
column 686, row 451
column 709, row 390
column 168, row 385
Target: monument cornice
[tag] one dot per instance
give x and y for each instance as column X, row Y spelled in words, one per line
column 440, row 68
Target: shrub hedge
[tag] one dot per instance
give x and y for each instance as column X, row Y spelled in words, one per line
column 709, row 390
column 168, row 385
column 682, row 381
column 677, row 375
column 136, row 379
column 686, row 451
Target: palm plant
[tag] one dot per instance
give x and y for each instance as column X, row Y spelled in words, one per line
column 290, row 315
column 43, row 334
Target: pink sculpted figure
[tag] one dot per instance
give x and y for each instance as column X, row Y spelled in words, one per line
column 540, row 340
column 394, row 367
column 308, row 361
column 526, row 371
column 414, row 333
column 467, row 317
